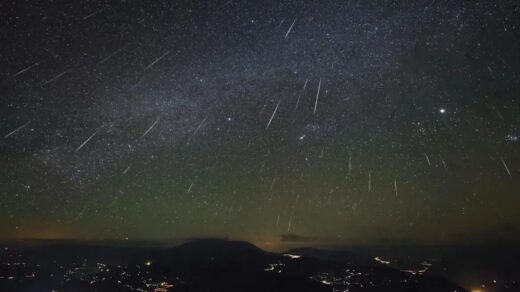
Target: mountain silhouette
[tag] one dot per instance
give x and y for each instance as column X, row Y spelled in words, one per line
column 202, row 265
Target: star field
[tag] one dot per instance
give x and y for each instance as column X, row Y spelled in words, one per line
column 341, row 122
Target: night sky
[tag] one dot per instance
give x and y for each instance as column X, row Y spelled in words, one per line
column 342, row 122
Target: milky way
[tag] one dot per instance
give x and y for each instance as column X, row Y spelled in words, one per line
column 337, row 121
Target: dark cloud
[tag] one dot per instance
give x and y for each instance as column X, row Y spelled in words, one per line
column 295, row 238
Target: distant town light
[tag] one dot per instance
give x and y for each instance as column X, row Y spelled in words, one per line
column 384, row 262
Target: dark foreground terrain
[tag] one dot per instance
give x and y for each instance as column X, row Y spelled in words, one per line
column 202, row 265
